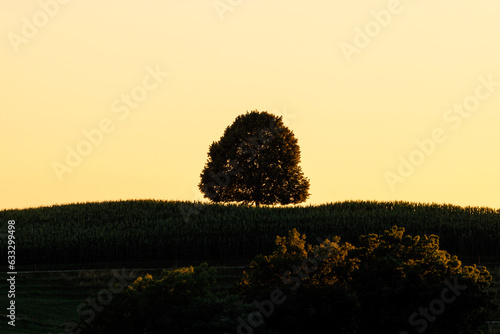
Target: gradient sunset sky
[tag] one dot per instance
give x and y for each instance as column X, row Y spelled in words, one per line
column 389, row 100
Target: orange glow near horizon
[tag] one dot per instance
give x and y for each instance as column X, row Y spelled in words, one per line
column 389, row 100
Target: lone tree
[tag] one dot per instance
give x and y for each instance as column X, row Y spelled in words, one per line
column 255, row 161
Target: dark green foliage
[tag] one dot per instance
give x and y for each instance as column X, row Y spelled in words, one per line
column 372, row 288
column 311, row 310
column 255, row 161
column 180, row 301
column 154, row 231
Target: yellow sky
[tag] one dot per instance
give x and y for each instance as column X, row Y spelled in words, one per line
column 154, row 83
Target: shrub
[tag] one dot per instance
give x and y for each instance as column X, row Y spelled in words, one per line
column 384, row 285
column 181, row 301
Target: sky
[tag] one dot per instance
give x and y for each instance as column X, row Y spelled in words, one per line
column 116, row 100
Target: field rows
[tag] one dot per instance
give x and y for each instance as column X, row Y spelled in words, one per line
column 185, row 231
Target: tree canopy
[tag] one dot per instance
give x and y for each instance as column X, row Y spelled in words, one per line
column 255, row 161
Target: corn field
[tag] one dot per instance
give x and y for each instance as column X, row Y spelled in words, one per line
column 161, row 231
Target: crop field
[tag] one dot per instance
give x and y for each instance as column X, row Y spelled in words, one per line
column 91, row 238
column 167, row 233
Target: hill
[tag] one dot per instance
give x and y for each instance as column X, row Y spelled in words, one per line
column 171, row 232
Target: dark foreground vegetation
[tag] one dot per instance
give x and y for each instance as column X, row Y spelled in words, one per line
column 389, row 283
column 186, row 232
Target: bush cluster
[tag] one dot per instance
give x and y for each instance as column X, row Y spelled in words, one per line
column 388, row 283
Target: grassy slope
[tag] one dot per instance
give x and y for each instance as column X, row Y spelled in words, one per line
column 45, row 302
column 166, row 233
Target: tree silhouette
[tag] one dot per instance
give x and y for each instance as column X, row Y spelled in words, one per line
column 255, row 161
